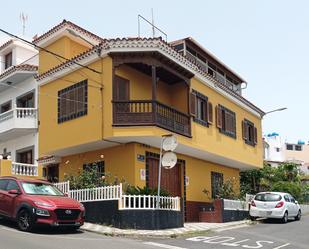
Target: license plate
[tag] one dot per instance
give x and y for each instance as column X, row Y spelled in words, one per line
column 264, row 213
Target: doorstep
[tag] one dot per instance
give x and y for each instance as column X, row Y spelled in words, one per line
column 188, row 228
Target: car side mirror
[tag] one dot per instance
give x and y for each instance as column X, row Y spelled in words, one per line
column 296, row 202
column 14, row 192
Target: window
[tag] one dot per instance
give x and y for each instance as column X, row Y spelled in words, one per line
column 216, row 183
column 12, row 185
column 298, row 147
column 26, row 101
column 268, row 197
column 3, row 184
column 73, row 101
column 249, row 133
column 6, row 107
column 289, row 147
column 286, row 198
column 100, row 167
column 201, row 108
column 25, row 156
column 8, row 60
column 277, row 149
column 226, row 121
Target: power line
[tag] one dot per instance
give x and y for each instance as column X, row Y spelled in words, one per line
column 48, row 51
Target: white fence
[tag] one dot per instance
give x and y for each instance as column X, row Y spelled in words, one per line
column 18, row 113
column 126, row 202
column 64, row 187
column 304, row 208
column 149, row 202
column 235, row 205
column 97, row 194
column 24, row 169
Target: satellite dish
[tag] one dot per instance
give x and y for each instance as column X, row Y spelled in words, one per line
column 169, row 143
column 169, row 160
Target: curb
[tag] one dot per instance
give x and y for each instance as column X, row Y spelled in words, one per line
column 168, row 233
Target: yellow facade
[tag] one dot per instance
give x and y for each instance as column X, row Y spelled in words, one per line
column 78, row 141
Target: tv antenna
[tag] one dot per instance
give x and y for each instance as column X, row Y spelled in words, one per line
column 153, row 26
column 23, row 18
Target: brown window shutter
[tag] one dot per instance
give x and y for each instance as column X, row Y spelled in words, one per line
column 219, row 117
column 209, row 113
column 255, row 135
column 193, row 104
column 244, row 130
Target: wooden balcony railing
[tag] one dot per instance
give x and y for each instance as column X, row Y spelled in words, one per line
column 149, row 112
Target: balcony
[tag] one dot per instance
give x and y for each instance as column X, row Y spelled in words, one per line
column 17, row 122
column 152, row 113
column 9, row 168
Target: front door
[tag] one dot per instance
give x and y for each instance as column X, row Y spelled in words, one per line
column 170, row 178
column 9, row 199
column 52, row 172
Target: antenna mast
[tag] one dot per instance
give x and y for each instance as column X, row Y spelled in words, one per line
column 152, row 22
column 23, row 18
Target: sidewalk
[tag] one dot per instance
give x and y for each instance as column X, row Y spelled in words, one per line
column 165, row 233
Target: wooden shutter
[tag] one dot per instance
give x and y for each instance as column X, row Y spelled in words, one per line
column 193, row 104
column 219, row 117
column 244, row 130
column 255, row 135
column 209, row 113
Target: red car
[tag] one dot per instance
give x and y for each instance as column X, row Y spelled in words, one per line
column 36, row 202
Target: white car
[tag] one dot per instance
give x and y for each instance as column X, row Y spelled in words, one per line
column 274, row 205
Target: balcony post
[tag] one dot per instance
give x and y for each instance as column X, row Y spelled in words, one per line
column 154, row 91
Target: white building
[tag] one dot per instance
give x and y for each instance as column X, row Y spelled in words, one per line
column 277, row 151
column 18, row 103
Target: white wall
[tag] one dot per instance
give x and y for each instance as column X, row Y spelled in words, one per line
column 21, row 143
column 275, row 151
column 18, row 90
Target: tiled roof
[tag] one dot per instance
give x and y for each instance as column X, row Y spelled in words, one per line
column 6, row 44
column 21, row 67
column 147, row 43
column 70, row 25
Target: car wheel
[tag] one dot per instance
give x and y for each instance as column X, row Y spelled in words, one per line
column 298, row 215
column 285, row 217
column 252, row 218
column 25, row 220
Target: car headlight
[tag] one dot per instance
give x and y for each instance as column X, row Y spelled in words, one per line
column 42, row 204
column 42, row 212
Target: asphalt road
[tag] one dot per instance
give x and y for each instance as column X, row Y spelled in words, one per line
column 292, row 235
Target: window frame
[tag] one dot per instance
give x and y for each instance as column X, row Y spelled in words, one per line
column 213, row 181
column 8, row 60
column 222, row 112
column 72, row 108
column 100, row 165
column 246, row 126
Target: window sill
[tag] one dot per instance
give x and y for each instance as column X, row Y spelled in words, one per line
column 227, row 133
column 201, row 122
column 250, row 143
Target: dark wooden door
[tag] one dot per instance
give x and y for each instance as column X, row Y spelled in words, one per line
column 170, row 178
column 53, row 173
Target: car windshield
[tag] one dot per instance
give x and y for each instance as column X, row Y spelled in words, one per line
column 38, row 188
column 268, row 197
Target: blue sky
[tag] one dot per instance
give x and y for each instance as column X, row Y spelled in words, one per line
column 265, row 41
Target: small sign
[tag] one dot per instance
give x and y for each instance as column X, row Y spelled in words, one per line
column 142, row 173
column 187, row 180
column 140, row 158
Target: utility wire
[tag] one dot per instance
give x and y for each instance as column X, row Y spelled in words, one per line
column 48, row 51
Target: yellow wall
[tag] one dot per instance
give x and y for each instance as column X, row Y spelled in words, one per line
column 64, row 47
column 121, row 161
column 118, row 160
column 85, row 129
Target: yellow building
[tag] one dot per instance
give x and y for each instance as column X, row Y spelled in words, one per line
column 114, row 99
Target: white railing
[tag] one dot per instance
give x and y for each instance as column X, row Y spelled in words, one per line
column 24, row 169
column 235, row 205
column 97, row 194
column 18, row 113
column 149, row 202
column 64, row 187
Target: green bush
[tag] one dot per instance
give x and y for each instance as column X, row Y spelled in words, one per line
column 133, row 190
